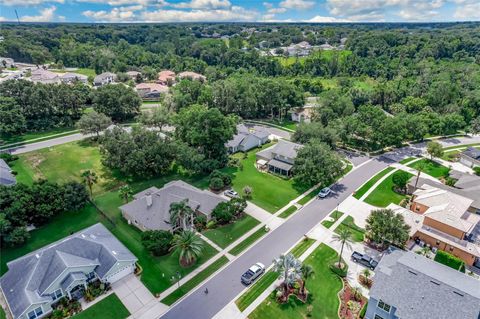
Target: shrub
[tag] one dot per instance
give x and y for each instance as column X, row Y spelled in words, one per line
column 158, row 242
column 450, row 181
column 223, row 213
column 225, row 178
column 200, row 222
column 8, row 157
column 449, row 260
column 211, row 224
column 400, row 180
column 216, row 184
column 477, row 170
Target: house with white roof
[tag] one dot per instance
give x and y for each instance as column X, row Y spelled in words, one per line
column 247, row 138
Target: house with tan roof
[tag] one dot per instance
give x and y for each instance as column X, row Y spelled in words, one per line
column 166, row 77
column 150, row 90
column 192, row 76
column 441, row 219
column 44, row 76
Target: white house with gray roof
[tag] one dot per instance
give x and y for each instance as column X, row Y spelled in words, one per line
column 279, row 158
column 104, row 78
column 35, row 282
column 150, row 209
column 410, row 286
column 247, row 138
column 470, row 157
column 6, row 176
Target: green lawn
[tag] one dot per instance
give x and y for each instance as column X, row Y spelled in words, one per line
column 256, row 290
column 323, row 288
column 2, row 313
column 349, row 223
column 247, row 242
column 85, row 71
column 60, row 227
column 384, row 194
column 157, row 271
column 225, row 235
column 289, row 211
column 34, row 135
column 450, row 155
column 195, row 281
column 334, row 216
column 362, row 190
column 302, row 247
column 460, row 146
column 108, row 308
column 270, row 192
column 309, row 196
column 406, row 160
column 431, row 168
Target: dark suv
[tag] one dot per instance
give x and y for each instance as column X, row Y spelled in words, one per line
column 365, row 260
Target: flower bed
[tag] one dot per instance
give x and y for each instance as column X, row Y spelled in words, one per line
column 65, row 308
column 351, row 302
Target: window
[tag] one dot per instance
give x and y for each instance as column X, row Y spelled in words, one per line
column 451, row 248
column 35, row 313
column 90, row 276
column 383, row 306
column 377, row 317
column 57, row 294
column 437, row 242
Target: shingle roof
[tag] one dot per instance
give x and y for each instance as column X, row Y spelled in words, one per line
column 422, row 288
column 156, row 215
column 472, row 152
column 244, row 133
column 6, row 176
column 28, row 277
column 279, row 164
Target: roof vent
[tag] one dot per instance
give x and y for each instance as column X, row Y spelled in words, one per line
column 148, row 198
column 457, row 293
column 83, row 235
column 114, row 252
column 434, row 282
column 412, row 272
column 38, row 256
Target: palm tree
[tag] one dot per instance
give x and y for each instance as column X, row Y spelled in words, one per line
column 420, row 167
column 190, row 246
column 344, row 236
column 290, row 269
column 125, row 193
column 180, row 213
column 307, row 272
column 89, row 177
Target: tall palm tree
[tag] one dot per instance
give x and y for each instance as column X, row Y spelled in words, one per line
column 181, row 215
column 190, row 246
column 125, row 193
column 290, row 269
column 420, row 167
column 307, row 272
column 344, row 237
column 89, row 177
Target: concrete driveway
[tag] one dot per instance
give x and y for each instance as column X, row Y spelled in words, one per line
column 137, row 298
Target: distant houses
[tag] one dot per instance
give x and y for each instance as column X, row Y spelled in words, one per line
column 44, row 76
column 150, row 91
column 470, row 157
column 6, row 176
column 279, row 158
column 192, row 76
column 247, row 138
column 166, row 77
column 70, row 77
column 306, row 112
column 410, row 286
column 104, row 78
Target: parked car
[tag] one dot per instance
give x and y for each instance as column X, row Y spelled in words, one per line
column 231, row 193
column 253, row 273
column 365, row 260
column 324, row 192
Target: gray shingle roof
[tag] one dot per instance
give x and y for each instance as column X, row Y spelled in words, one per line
column 279, row 164
column 6, row 177
column 243, row 133
column 282, row 148
column 29, row 276
column 472, row 152
column 422, row 288
column 74, row 276
column 157, row 215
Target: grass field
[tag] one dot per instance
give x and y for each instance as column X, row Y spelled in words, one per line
column 362, row 190
column 247, row 242
column 195, row 281
column 225, row 235
column 384, row 194
column 334, row 216
column 85, row 71
column 289, row 211
column 323, row 288
column 431, row 168
column 270, row 192
column 108, row 308
column 309, row 196
column 34, row 135
column 301, row 247
column 256, row 290
column 349, row 223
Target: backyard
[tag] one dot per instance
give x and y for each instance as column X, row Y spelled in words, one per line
column 384, row 194
column 431, row 168
column 323, row 288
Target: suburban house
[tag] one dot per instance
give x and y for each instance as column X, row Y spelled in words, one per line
column 35, row 282
column 470, row 157
column 279, row 158
column 192, row 76
column 410, row 286
column 104, row 78
column 7, row 62
column 166, row 77
column 150, row 209
column 6, row 176
column 247, row 138
column 441, row 220
column 133, row 74
column 44, row 76
column 305, row 113
column 150, row 90
column 73, row 77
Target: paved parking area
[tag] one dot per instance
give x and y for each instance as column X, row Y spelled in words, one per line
column 137, row 298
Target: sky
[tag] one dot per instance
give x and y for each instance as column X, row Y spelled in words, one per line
column 237, row 10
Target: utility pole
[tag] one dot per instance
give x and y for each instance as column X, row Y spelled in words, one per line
column 16, row 13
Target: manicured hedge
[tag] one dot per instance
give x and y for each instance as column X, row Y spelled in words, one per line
column 450, row 260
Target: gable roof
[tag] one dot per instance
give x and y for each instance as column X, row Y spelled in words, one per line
column 472, row 152
column 244, row 133
column 29, row 277
column 40, row 75
column 422, row 288
column 99, row 78
column 70, row 75
column 283, row 148
column 151, row 208
column 6, row 176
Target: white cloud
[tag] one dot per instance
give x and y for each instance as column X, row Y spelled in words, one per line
column 119, row 14
column 234, row 13
column 297, row 4
column 46, row 15
column 203, row 4
column 3, row 19
column 276, row 10
column 268, row 5
column 28, row 2
column 324, row 19
column 158, row 3
column 468, row 11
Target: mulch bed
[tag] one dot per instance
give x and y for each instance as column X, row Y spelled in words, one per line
column 347, row 299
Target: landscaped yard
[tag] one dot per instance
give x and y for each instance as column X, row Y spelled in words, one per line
column 108, row 308
column 450, row 154
column 349, row 223
column 247, row 242
column 323, row 287
column 270, row 192
column 384, row 194
column 256, row 290
column 192, row 283
column 301, row 247
column 332, row 219
column 225, row 235
column 431, row 168
column 362, row 190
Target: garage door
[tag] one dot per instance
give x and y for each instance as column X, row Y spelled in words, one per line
column 120, row 274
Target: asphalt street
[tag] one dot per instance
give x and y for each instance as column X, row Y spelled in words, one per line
column 44, row 144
